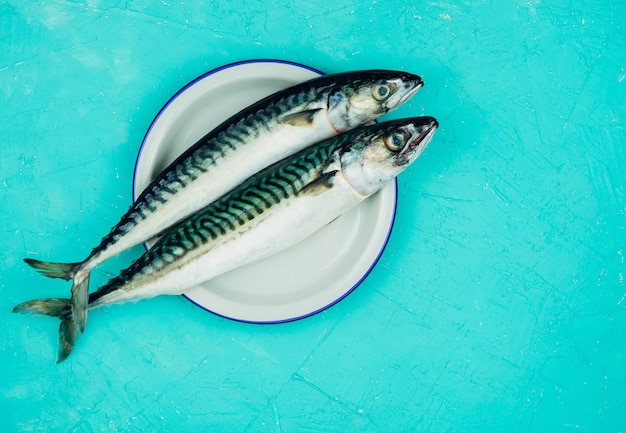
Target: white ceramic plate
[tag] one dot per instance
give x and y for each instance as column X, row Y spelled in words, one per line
column 308, row 277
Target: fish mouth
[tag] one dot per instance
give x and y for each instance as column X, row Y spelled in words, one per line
column 416, row 86
column 421, row 134
column 411, row 84
column 426, row 132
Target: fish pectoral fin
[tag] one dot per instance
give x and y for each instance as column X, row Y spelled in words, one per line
column 301, row 118
column 320, row 184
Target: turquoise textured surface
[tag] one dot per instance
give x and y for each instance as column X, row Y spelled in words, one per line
column 499, row 304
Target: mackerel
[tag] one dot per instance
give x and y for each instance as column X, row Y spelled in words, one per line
column 265, row 132
column 271, row 211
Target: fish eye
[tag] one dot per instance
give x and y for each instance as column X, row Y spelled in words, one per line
column 381, row 92
column 395, row 142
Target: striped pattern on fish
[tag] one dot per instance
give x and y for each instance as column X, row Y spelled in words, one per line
column 274, row 209
column 265, row 132
column 222, row 222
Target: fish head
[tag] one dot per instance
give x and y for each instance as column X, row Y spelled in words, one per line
column 382, row 151
column 368, row 95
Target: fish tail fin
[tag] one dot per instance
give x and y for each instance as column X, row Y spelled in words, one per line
column 67, row 338
column 80, row 288
column 55, row 307
column 65, row 271
column 80, row 302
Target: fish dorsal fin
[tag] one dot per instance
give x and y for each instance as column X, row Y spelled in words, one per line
column 320, row 184
column 301, row 118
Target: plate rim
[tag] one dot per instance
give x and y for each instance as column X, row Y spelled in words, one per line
column 300, row 316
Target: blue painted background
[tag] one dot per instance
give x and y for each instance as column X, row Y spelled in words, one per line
column 499, row 304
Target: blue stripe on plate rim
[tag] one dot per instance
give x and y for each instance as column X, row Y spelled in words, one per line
column 365, row 274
